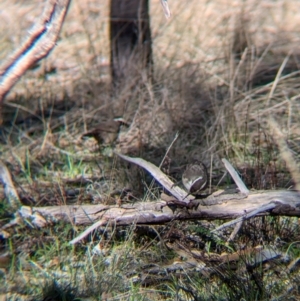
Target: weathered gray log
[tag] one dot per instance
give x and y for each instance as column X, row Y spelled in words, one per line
column 225, row 207
column 179, row 206
column 219, row 205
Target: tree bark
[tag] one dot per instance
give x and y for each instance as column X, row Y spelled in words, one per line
column 130, row 37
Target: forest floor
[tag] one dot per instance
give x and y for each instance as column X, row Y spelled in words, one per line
column 222, row 71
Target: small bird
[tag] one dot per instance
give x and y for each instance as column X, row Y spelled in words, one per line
column 106, row 133
column 195, row 177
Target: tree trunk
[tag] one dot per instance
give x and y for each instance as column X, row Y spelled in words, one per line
column 130, row 37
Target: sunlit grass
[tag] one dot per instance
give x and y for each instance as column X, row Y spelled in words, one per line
column 215, row 98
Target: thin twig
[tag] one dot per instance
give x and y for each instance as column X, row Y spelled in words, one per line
column 161, row 163
column 168, row 150
column 243, row 189
column 166, row 9
column 87, row 232
column 263, row 208
column 235, row 231
column 277, row 78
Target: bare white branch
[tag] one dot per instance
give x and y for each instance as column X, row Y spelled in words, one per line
column 238, row 181
column 39, row 43
column 9, row 188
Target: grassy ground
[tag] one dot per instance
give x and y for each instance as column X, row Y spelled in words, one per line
column 222, row 69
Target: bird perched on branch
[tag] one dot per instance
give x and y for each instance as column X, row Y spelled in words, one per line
column 195, row 177
column 106, row 133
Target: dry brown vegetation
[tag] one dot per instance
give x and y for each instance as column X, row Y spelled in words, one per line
column 222, row 70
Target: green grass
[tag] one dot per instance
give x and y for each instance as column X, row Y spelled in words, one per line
column 219, row 105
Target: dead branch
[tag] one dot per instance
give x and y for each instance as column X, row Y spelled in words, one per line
column 235, row 231
column 160, row 177
column 10, row 191
column 238, row 181
column 263, row 208
column 243, row 189
column 166, row 9
column 40, row 42
column 219, row 205
column 223, row 206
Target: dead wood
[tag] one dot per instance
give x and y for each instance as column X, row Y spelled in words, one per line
column 243, row 189
column 223, row 206
column 39, row 43
column 182, row 196
column 10, row 191
column 238, row 181
column 166, row 9
column 219, row 205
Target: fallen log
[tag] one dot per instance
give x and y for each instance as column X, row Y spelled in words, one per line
column 179, row 206
column 223, row 206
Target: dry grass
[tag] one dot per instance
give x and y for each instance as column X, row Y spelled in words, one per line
column 222, row 69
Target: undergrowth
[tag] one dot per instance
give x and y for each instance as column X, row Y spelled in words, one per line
column 217, row 83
